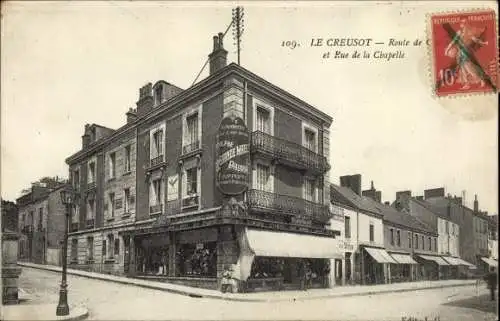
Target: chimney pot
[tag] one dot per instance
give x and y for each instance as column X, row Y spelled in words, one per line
column 221, row 38
column 216, row 43
column 372, row 185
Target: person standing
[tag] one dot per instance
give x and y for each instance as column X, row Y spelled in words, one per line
column 491, row 282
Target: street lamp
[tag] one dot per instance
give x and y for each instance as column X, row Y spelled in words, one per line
column 66, row 199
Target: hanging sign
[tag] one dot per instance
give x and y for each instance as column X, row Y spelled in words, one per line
column 232, row 156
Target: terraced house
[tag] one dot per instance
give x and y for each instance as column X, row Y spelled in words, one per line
column 231, row 171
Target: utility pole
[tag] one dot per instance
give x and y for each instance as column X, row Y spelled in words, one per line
column 238, row 28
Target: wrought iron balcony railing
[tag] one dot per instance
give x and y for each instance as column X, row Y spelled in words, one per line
column 189, row 148
column 73, row 227
column 91, row 186
column 90, row 223
column 190, row 201
column 156, row 161
column 271, row 202
column 288, row 152
column 155, row 209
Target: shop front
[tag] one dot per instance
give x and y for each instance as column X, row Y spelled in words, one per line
column 432, row 267
column 403, row 271
column 282, row 260
column 458, row 268
column 376, row 265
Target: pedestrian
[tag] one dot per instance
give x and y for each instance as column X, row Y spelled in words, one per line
column 229, row 280
column 309, row 273
column 491, row 282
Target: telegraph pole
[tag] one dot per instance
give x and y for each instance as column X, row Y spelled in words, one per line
column 238, row 28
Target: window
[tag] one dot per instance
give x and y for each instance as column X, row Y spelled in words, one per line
column 91, row 172
column 430, row 244
column 127, row 159
column 398, row 237
column 111, row 197
column 158, row 95
column 90, row 248
column 76, row 180
column 117, row 246
column 264, row 178
column 192, row 181
column 310, row 139
column 447, row 227
column 372, row 233
column 192, row 129
column 40, row 219
column 76, row 213
column 110, row 246
column 103, row 248
column 392, row 236
column 416, row 241
column 422, row 238
column 309, row 190
column 74, row 249
column 112, row 165
column 347, row 227
column 263, row 120
column 127, row 201
column 409, row 240
column 90, row 208
column 156, row 191
column 157, row 146
column 435, row 245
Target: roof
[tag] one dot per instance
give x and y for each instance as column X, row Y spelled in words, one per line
column 291, row 101
column 346, row 195
column 438, row 211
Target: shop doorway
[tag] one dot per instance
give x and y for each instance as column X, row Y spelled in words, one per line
column 126, row 254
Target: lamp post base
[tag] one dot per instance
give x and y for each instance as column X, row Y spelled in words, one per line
column 62, row 307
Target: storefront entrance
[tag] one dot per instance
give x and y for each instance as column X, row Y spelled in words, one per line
column 152, row 254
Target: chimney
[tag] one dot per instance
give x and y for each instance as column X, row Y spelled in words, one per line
column 218, row 57
column 131, row 115
column 373, row 193
column 434, row 192
column 476, row 204
column 145, row 102
column 353, row 182
column 86, row 137
column 458, row 200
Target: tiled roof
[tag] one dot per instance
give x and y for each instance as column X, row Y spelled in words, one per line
column 440, row 211
column 366, row 204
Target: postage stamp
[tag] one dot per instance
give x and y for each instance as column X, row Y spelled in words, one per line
column 464, row 52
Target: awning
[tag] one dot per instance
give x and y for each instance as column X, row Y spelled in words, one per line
column 457, row 261
column 380, row 255
column 403, row 258
column 282, row 244
column 490, row 261
column 439, row 260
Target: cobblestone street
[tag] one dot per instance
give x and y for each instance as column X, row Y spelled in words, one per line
column 112, row 301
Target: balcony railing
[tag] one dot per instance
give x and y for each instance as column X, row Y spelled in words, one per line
column 288, row 152
column 189, row 148
column 155, row 209
column 190, row 201
column 91, row 186
column 90, row 223
column 73, row 227
column 288, row 205
column 156, row 161
column 27, row 229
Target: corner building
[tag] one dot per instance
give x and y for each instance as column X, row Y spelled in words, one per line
column 149, row 206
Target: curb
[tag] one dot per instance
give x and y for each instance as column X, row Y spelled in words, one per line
column 228, row 297
column 41, row 312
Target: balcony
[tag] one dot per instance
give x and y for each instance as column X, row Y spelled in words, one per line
column 190, row 201
column 267, row 202
column 90, row 223
column 73, row 227
column 28, row 229
column 91, row 186
column 289, row 153
column 190, row 148
column 156, row 161
column 155, row 209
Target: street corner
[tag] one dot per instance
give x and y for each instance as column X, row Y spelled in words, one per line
column 43, row 312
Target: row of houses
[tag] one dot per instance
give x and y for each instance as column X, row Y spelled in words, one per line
column 231, row 171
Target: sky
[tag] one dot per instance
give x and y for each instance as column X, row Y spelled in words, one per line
column 67, row 64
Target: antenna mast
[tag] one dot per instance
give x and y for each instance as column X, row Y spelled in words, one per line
column 238, row 28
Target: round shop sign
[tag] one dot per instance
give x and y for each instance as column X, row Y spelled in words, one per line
column 232, row 156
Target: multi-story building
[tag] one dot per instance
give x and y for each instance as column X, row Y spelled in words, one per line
column 364, row 257
column 493, row 239
column 41, row 224
column 203, row 178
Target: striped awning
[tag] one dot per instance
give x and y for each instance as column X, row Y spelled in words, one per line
column 403, row 258
column 380, row 255
column 438, row 259
column 456, row 261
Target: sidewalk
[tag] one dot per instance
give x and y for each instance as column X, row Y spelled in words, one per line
column 40, row 312
column 272, row 296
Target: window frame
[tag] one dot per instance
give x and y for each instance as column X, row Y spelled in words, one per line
column 255, row 175
column 258, row 103
column 128, row 159
column 347, row 227
column 313, row 129
column 371, row 232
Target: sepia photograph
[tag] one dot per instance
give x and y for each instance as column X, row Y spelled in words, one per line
column 249, row 160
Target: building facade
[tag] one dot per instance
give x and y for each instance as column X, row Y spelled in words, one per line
column 493, row 237
column 10, row 216
column 204, row 178
column 41, row 224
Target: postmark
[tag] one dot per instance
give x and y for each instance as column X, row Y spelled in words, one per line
column 464, row 53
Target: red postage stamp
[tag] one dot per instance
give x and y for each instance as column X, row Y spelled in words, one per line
column 464, row 52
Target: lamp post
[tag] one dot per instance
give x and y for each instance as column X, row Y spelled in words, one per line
column 66, row 199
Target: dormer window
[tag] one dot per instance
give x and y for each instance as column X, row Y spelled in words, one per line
column 158, row 95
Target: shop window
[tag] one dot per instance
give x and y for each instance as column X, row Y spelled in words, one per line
column 197, row 260
column 267, row 267
column 90, row 248
column 74, row 249
column 117, row 246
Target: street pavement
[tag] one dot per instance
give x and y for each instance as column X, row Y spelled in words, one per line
column 113, row 301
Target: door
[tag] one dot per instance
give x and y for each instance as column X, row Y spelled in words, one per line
column 126, row 254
